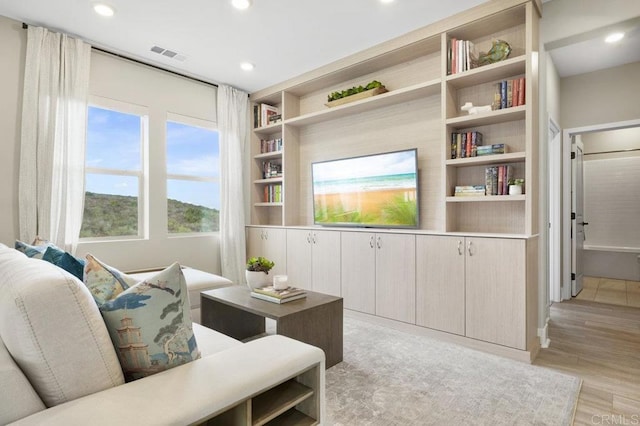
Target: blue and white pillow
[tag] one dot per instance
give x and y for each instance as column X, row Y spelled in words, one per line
column 149, row 322
column 34, row 250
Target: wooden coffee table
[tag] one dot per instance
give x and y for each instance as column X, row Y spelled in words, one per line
column 315, row 319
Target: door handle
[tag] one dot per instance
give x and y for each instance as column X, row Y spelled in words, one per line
column 309, row 238
column 460, row 247
column 371, row 242
column 379, row 242
column 583, row 223
column 314, row 238
column 469, row 248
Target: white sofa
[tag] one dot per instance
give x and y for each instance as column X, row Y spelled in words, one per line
column 58, row 366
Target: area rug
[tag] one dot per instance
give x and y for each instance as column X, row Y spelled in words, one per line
column 389, row 377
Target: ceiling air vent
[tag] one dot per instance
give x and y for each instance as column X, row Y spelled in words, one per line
column 168, row 53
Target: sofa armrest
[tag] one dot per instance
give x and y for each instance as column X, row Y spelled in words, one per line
column 196, row 391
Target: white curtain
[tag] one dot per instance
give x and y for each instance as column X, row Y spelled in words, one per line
column 54, row 116
column 233, row 113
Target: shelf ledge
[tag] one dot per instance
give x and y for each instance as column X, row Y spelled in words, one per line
column 490, row 117
column 268, row 204
column 486, row 198
column 512, row 157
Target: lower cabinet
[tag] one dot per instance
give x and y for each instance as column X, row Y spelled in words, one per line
column 475, row 287
column 378, row 274
column 496, row 284
column 313, row 260
column 440, row 283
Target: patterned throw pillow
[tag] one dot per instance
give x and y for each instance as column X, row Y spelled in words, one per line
column 149, row 322
column 104, row 282
column 36, row 249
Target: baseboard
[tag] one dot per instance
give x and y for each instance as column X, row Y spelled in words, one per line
column 543, row 334
column 511, row 353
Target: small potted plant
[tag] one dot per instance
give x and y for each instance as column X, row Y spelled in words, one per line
column 516, row 186
column 257, row 272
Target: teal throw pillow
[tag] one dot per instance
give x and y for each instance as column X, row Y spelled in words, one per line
column 150, row 324
column 65, row 261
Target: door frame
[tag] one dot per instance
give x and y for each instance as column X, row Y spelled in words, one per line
column 565, row 187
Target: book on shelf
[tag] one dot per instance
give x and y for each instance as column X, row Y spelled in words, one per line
column 275, row 118
column 270, row 294
column 271, row 169
column 461, row 56
column 273, row 193
column 497, row 179
column 465, row 144
column 509, row 93
column 270, row 145
column 469, row 190
column 498, row 148
column 262, row 114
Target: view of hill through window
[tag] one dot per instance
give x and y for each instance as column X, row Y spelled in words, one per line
column 114, row 173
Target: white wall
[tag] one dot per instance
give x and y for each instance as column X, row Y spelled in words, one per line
column 161, row 93
column 13, row 42
column 125, row 81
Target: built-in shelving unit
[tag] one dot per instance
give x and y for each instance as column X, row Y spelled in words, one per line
column 421, row 109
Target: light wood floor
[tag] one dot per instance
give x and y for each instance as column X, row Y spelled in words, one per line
column 608, row 290
column 599, row 343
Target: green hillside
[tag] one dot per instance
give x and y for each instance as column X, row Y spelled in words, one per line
column 116, row 215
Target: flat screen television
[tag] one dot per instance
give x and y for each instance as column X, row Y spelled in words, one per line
column 379, row 190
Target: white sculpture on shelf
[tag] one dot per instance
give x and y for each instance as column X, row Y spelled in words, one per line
column 468, row 106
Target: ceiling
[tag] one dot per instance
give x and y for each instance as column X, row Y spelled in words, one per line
column 282, row 38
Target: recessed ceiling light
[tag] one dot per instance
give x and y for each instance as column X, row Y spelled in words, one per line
column 241, row 4
column 613, row 37
column 103, row 9
column 247, row 66
column 386, row 1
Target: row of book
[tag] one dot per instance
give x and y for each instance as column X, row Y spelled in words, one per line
column 460, row 56
column 273, row 193
column 496, row 148
column 497, row 179
column 271, row 169
column 510, row 93
column 265, row 114
column 469, row 191
column 270, row 294
column 465, row 144
column 271, row 145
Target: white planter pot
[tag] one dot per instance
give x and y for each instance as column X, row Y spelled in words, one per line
column 257, row 279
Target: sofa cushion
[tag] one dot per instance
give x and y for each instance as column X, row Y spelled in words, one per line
column 211, row 341
column 53, row 330
column 24, row 399
column 150, row 324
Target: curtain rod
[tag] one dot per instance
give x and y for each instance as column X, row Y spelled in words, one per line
column 613, row 152
column 25, row 26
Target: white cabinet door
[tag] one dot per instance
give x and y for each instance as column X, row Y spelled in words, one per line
column 269, row 243
column 496, row 291
column 396, row 276
column 325, row 262
column 440, row 283
column 299, row 265
column 358, row 271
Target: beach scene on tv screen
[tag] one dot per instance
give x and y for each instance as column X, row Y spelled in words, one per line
column 375, row 190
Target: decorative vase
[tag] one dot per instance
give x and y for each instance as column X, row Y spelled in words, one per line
column 257, row 279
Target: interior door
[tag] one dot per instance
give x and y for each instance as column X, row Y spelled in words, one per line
column 577, row 223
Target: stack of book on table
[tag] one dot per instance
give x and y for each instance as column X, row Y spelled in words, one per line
column 278, row 296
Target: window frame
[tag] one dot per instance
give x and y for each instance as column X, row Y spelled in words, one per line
column 203, row 124
column 142, row 174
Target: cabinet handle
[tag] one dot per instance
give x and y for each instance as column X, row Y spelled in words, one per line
column 469, row 248
column 460, row 247
column 314, row 239
column 371, row 242
column 266, row 235
column 262, row 235
column 309, row 237
column 379, row 243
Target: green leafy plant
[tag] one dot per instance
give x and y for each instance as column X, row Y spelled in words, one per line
column 259, row 264
column 352, row 91
column 516, row 182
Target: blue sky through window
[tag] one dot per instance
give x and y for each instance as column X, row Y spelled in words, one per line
column 114, row 142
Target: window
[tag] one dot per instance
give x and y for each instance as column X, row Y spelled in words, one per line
column 114, row 172
column 193, row 176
